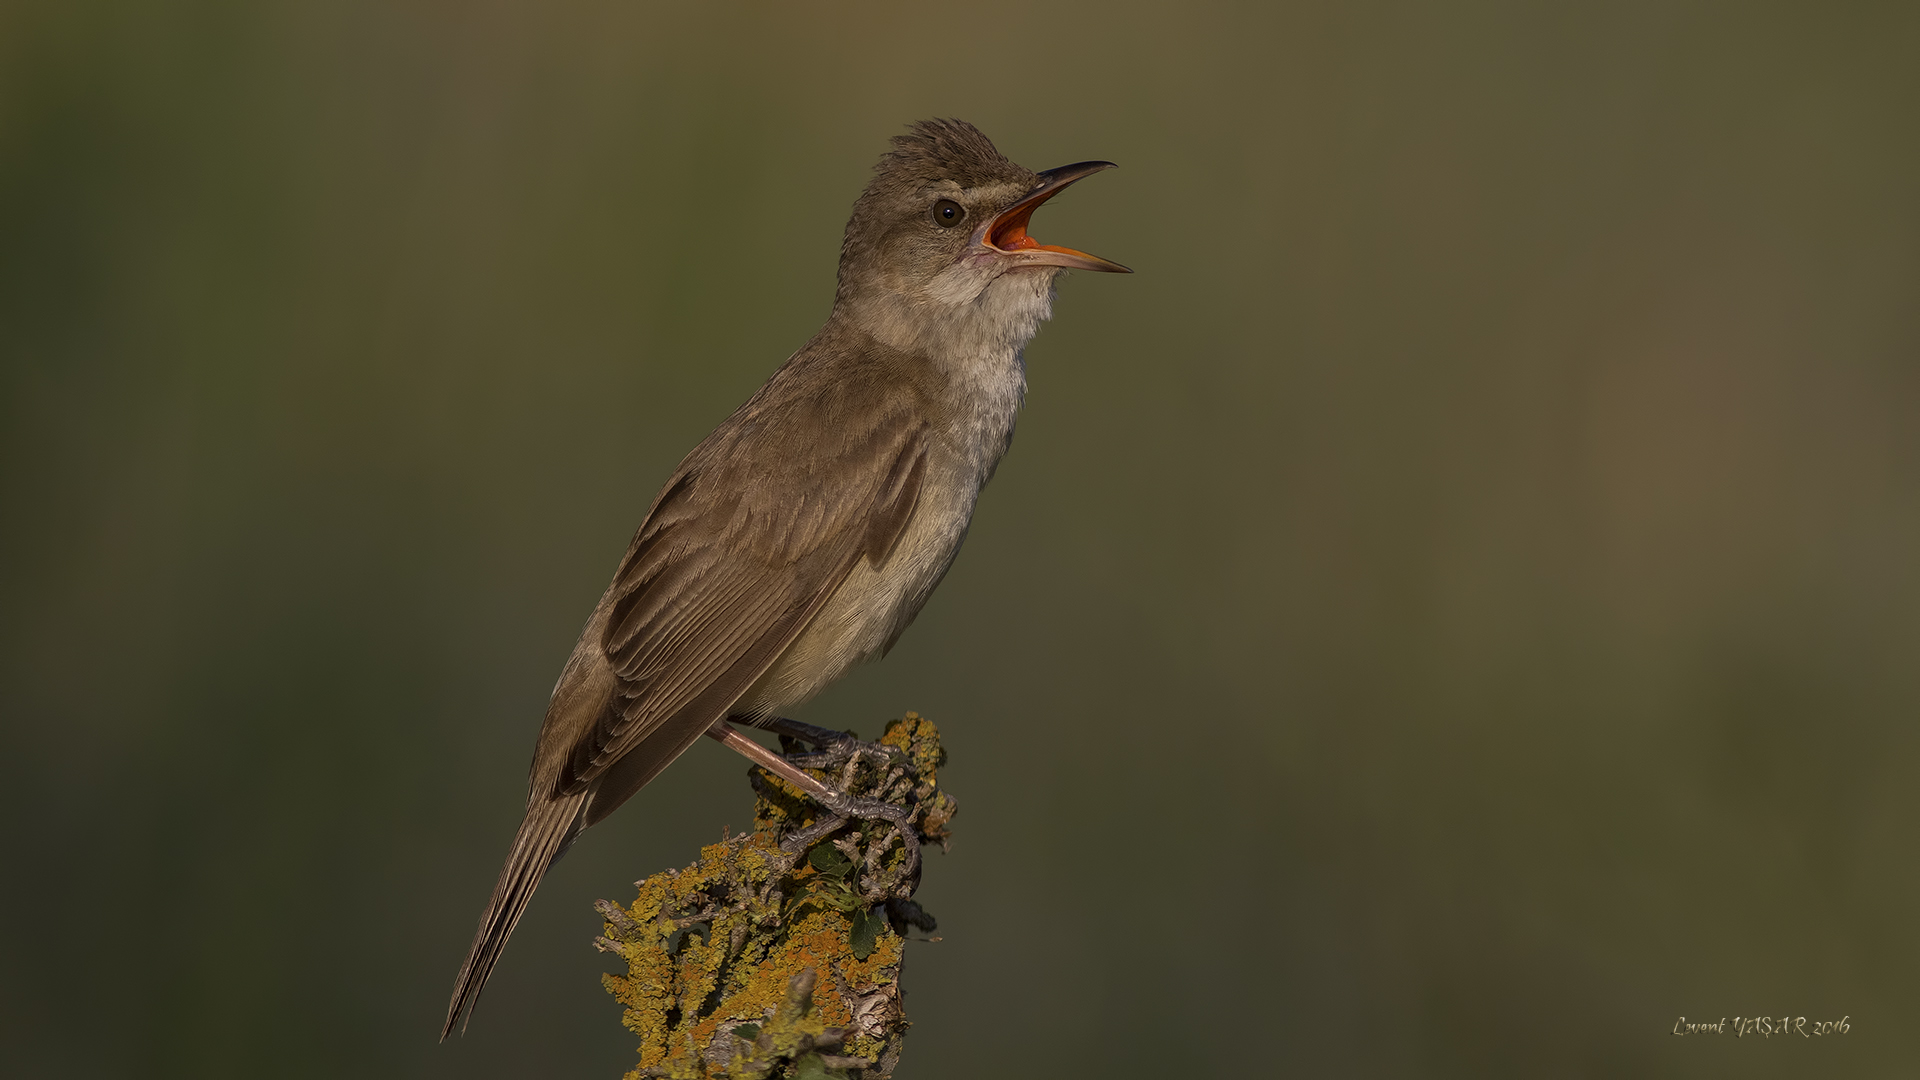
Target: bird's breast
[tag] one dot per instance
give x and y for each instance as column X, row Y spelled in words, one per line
column 876, row 603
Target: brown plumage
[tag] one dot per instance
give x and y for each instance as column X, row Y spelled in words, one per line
column 805, row 533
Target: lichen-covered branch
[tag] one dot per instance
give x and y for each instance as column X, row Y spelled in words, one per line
column 778, row 953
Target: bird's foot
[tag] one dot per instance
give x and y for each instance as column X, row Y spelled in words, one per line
column 837, row 750
column 833, row 749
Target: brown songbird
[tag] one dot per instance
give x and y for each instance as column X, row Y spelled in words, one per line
column 804, row 534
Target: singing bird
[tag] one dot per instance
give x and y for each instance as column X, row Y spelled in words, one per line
column 805, row 533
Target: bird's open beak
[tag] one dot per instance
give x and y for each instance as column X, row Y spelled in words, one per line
column 1007, row 236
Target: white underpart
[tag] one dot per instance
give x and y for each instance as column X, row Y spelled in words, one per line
column 978, row 338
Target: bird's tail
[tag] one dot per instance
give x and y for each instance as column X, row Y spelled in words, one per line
column 549, row 826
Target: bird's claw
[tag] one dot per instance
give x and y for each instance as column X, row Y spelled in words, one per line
column 838, row 749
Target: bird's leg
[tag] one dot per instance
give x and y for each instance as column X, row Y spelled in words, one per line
column 839, row 748
column 723, row 733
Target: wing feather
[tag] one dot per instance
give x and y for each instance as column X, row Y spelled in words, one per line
column 711, row 580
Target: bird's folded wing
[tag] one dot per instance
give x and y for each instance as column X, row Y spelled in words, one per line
column 735, row 558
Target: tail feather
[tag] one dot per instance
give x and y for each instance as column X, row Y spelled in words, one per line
column 543, row 835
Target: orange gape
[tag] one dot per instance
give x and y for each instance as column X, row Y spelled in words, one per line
column 1009, row 233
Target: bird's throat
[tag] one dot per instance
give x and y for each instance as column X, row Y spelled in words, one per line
column 983, row 327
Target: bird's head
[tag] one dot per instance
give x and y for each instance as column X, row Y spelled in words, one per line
column 938, row 242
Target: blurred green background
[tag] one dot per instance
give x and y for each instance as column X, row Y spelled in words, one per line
column 1451, row 613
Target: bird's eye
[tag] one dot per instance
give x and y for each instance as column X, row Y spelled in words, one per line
column 947, row 213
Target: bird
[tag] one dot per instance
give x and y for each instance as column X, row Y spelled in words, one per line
column 804, row 534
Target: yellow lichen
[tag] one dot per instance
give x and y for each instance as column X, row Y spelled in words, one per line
column 749, row 961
